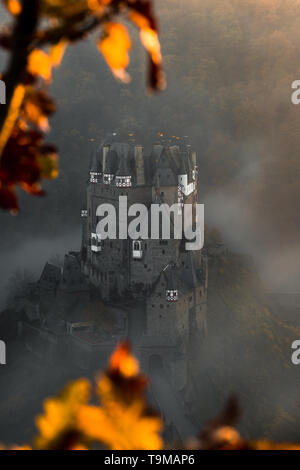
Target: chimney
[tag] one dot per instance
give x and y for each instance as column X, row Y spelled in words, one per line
column 139, row 164
column 194, row 158
column 105, row 154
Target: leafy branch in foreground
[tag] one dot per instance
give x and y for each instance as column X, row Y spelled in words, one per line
column 123, row 420
column 36, row 42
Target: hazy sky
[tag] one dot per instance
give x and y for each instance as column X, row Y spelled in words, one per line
column 229, row 67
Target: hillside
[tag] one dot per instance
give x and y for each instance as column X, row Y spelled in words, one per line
column 247, row 351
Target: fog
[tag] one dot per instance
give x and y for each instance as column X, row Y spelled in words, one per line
column 229, row 66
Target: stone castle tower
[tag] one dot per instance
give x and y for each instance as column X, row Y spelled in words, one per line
column 170, row 281
column 153, row 291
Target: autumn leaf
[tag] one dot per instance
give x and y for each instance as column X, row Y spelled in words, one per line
column 57, row 426
column 142, row 16
column 14, row 7
column 124, row 421
column 57, row 52
column 115, row 45
column 37, row 107
column 39, row 64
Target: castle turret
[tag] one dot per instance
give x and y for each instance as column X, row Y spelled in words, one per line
column 123, row 175
column 108, row 165
column 96, row 166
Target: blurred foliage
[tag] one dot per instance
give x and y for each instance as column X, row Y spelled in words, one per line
column 123, row 420
column 52, row 25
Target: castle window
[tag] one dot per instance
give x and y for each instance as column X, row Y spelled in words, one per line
column 95, row 177
column 107, row 178
column 137, row 251
column 172, row 295
column 96, row 242
column 123, row 181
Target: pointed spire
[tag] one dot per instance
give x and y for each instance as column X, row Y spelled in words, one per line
column 183, row 170
column 95, row 165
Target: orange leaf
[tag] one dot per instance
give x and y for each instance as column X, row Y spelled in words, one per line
column 33, row 113
column 150, row 42
column 123, row 362
column 115, row 45
column 39, row 63
column 13, row 6
column 57, row 52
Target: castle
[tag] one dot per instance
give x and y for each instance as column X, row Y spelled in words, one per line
column 155, row 290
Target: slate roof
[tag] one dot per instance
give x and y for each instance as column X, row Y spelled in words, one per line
column 125, row 154
column 72, row 278
column 181, row 277
column 96, row 160
column 162, row 166
column 50, row 276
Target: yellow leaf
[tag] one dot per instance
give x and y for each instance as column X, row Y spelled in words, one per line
column 115, row 45
column 61, row 413
column 39, row 64
column 121, row 426
column 140, row 20
column 149, row 37
column 33, row 113
column 48, row 166
column 13, row 6
column 57, row 52
column 123, row 362
column 150, row 41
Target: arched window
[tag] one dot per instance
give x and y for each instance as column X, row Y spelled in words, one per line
column 96, row 242
column 137, row 251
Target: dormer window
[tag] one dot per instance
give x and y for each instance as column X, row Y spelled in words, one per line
column 107, row 178
column 95, row 177
column 96, row 242
column 171, row 295
column 123, row 181
column 137, row 251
